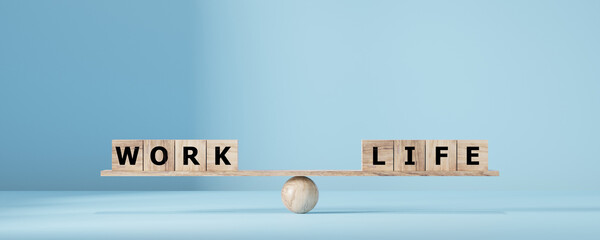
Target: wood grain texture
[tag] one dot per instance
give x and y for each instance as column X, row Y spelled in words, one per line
column 131, row 144
column 214, row 164
column 169, row 145
column 401, row 155
column 482, row 158
column 200, row 146
column 301, row 173
column 385, row 154
column 299, row 194
column 446, row 163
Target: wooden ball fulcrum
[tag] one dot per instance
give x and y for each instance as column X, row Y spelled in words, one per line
column 299, row 194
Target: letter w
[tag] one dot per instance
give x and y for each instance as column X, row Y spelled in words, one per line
column 122, row 158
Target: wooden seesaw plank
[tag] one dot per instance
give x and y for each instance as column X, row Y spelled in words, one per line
column 300, row 173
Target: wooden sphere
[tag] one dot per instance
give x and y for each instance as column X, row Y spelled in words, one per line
column 300, row 194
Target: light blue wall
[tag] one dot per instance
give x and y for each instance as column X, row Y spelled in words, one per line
column 300, row 83
column 76, row 74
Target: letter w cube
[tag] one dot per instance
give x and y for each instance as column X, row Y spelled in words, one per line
column 128, row 155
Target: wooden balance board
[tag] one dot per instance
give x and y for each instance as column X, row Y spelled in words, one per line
column 299, row 193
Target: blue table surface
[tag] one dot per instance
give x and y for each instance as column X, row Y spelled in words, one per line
column 261, row 215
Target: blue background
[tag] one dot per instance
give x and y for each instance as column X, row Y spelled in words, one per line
column 299, row 83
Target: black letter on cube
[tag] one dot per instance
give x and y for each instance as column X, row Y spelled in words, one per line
column 439, row 155
column 153, row 155
column 409, row 160
column 127, row 154
column 187, row 156
column 375, row 161
column 220, row 155
column 471, row 154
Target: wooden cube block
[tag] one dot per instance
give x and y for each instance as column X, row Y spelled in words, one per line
column 159, row 155
column 441, row 155
column 409, row 155
column 221, row 155
column 378, row 155
column 127, row 155
column 190, row 155
column 472, row 155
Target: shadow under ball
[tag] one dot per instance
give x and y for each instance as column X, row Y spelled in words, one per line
column 300, row 194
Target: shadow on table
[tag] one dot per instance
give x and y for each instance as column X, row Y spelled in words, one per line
column 365, row 211
column 204, row 211
column 408, row 211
